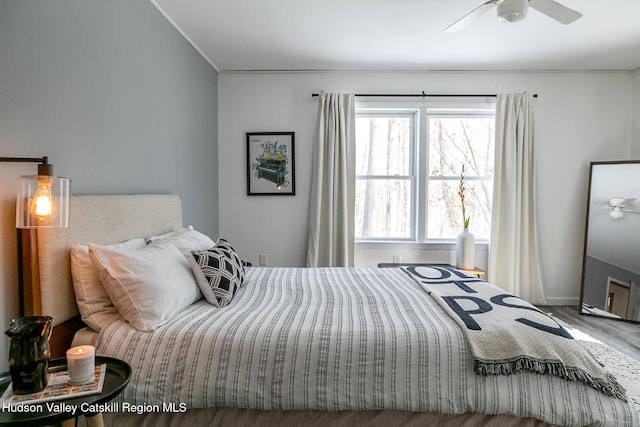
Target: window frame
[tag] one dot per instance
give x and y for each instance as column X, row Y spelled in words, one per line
column 414, row 115
column 449, row 113
column 420, row 155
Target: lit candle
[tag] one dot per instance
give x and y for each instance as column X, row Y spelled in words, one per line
column 81, row 364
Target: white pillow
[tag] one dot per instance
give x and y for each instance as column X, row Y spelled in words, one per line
column 94, row 304
column 186, row 240
column 168, row 234
column 148, row 286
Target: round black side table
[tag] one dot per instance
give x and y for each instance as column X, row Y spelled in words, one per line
column 115, row 380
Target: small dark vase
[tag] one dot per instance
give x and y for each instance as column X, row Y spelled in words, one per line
column 29, row 353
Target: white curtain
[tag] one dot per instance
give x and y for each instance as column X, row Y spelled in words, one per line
column 513, row 256
column 331, row 209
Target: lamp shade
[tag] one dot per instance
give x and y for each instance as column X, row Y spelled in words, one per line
column 43, row 201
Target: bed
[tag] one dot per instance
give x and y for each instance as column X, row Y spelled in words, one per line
column 294, row 346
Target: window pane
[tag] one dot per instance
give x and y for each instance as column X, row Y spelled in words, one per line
column 383, row 208
column 383, row 145
column 454, row 141
column 444, row 220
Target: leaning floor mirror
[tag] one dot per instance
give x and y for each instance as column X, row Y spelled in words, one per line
column 611, row 262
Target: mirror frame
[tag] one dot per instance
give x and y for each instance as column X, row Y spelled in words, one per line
column 586, row 238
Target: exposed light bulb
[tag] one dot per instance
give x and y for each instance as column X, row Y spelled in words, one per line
column 42, row 203
column 42, row 199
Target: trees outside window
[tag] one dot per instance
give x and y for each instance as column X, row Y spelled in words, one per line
column 385, row 193
column 399, row 197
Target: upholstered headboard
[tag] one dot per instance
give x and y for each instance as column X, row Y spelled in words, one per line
column 46, row 271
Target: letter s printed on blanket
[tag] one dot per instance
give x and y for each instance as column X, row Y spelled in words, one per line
column 559, row 330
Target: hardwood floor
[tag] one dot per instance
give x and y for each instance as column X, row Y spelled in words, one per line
column 623, row 336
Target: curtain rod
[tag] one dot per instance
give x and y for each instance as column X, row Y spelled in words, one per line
column 429, row 95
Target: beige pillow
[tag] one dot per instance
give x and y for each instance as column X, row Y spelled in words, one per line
column 148, row 286
column 94, row 304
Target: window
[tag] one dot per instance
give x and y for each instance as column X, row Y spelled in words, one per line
column 456, row 140
column 385, row 195
column 408, row 172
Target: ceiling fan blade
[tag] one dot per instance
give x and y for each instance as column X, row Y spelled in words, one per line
column 466, row 20
column 555, row 10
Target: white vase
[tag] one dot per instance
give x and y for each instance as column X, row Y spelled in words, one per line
column 465, row 250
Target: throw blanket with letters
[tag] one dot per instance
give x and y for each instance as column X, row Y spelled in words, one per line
column 508, row 335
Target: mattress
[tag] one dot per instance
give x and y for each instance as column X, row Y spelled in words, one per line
column 334, row 339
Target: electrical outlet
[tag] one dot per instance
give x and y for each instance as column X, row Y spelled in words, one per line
column 262, row 260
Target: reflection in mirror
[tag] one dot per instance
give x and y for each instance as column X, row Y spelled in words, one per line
column 611, row 264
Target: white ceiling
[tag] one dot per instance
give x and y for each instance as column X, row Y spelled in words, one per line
column 403, row 35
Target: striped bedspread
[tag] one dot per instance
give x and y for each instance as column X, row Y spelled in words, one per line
column 336, row 339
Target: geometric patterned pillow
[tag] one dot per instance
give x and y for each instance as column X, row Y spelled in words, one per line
column 235, row 260
column 219, row 273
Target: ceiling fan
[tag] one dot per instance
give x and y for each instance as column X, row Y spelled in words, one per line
column 618, row 207
column 516, row 10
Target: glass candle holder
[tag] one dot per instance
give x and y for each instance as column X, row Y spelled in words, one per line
column 81, row 364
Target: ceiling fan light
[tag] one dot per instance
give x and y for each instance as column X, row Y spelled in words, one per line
column 616, row 213
column 512, row 10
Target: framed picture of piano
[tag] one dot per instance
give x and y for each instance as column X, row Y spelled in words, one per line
column 270, row 163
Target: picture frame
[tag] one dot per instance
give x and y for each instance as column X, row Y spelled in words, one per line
column 271, row 163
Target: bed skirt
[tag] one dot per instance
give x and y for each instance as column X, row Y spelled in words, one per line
column 252, row 417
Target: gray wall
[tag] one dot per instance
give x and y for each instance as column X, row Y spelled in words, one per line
column 118, row 100
column 596, row 277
